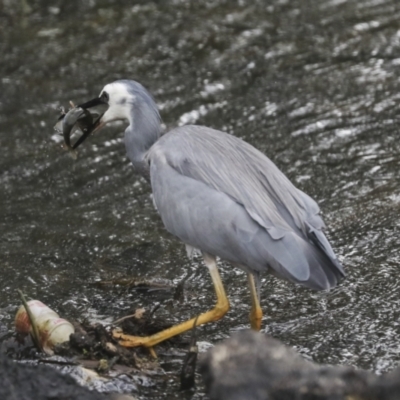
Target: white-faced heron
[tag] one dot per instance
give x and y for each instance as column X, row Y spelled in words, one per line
column 220, row 195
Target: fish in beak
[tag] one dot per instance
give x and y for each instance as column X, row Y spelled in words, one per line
column 86, row 117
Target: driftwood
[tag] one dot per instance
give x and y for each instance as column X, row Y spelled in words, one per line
column 253, row 366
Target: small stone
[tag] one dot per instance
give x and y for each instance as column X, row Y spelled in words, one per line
column 111, row 348
column 103, row 365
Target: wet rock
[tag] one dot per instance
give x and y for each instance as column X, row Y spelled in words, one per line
column 253, row 366
column 24, row 382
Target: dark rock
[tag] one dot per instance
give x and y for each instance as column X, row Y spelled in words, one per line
column 24, row 382
column 253, row 366
column 82, row 341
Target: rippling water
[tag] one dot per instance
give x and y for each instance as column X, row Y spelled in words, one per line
column 314, row 84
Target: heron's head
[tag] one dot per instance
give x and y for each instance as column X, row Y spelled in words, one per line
column 122, row 98
column 118, row 100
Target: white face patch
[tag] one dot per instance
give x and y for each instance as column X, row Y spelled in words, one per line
column 119, row 101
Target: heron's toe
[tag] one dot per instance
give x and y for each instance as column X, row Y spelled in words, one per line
column 128, row 340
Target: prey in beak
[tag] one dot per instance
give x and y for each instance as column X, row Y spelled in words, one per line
column 93, row 105
column 115, row 103
column 87, row 117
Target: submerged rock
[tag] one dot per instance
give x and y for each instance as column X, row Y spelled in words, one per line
column 253, row 366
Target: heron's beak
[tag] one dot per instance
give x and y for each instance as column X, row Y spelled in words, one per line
column 99, row 106
column 97, row 101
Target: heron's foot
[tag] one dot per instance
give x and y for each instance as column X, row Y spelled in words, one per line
column 220, row 309
column 129, row 340
column 133, row 341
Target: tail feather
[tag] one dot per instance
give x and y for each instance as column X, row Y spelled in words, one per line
column 325, row 271
column 306, row 262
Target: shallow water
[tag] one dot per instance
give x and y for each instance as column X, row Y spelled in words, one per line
column 314, row 84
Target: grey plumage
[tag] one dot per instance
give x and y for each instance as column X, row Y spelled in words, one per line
column 219, row 194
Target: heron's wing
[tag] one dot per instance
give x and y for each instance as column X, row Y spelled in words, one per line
column 212, row 221
column 234, row 167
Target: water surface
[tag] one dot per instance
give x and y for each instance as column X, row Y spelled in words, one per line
column 314, row 84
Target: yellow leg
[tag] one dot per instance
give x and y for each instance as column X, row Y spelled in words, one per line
column 256, row 311
column 220, row 309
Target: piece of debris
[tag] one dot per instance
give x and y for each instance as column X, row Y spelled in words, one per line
column 44, row 324
column 138, row 283
column 138, row 314
column 189, row 363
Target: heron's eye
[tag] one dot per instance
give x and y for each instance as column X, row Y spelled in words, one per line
column 105, row 96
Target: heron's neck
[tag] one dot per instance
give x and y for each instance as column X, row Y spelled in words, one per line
column 144, row 130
